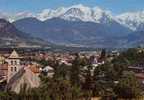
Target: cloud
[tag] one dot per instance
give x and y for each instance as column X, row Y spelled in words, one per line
column 15, row 16
column 21, row 15
column 4, row 15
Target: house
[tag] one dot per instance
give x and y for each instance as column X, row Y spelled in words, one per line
column 48, row 70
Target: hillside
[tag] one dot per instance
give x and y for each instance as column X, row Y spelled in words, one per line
column 11, row 36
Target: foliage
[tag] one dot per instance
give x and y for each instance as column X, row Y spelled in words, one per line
column 128, row 86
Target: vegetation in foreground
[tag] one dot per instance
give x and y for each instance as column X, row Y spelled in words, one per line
column 81, row 80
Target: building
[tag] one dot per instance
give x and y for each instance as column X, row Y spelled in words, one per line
column 14, row 64
column 48, row 70
column 20, row 73
column 24, row 78
column 3, row 69
column 16, row 71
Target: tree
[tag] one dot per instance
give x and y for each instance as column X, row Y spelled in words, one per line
column 44, row 62
column 75, row 71
column 128, row 86
column 104, row 76
column 87, row 86
column 60, row 89
column 62, row 71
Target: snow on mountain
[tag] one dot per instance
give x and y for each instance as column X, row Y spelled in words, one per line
column 133, row 20
column 77, row 12
column 102, row 16
column 49, row 13
column 73, row 13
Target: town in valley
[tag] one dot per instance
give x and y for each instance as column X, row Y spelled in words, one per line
column 21, row 69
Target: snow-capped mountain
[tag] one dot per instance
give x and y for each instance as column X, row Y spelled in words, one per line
column 81, row 25
column 76, row 13
column 133, row 20
column 50, row 13
column 73, row 13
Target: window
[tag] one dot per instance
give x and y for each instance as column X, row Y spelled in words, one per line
column 11, row 69
column 15, row 62
column 11, row 62
column 15, row 69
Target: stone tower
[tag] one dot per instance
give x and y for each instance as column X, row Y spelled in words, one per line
column 14, row 64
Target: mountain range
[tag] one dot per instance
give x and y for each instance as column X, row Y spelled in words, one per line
column 79, row 25
column 132, row 20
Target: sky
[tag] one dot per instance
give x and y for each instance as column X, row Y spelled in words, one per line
column 115, row 6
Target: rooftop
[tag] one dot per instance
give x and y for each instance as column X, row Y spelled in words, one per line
column 14, row 55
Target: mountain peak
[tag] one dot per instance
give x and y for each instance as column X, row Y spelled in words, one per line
column 80, row 6
column 80, row 12
column 133, row 20
column 74, row 13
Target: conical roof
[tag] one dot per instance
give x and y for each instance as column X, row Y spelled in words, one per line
column 14, row 55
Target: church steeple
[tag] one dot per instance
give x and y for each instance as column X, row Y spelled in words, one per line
column 14, row 64
column 14, row 55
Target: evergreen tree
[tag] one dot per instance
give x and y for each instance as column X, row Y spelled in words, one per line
column 75, row 71
column 128, row 86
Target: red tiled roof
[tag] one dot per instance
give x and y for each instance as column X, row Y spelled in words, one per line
column 4, row 67
column 140, row 75
column 34, row 69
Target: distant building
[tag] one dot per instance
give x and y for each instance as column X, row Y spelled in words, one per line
column 48, row 70
column 3, row 68
column 115, row 53
column 3, row 71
